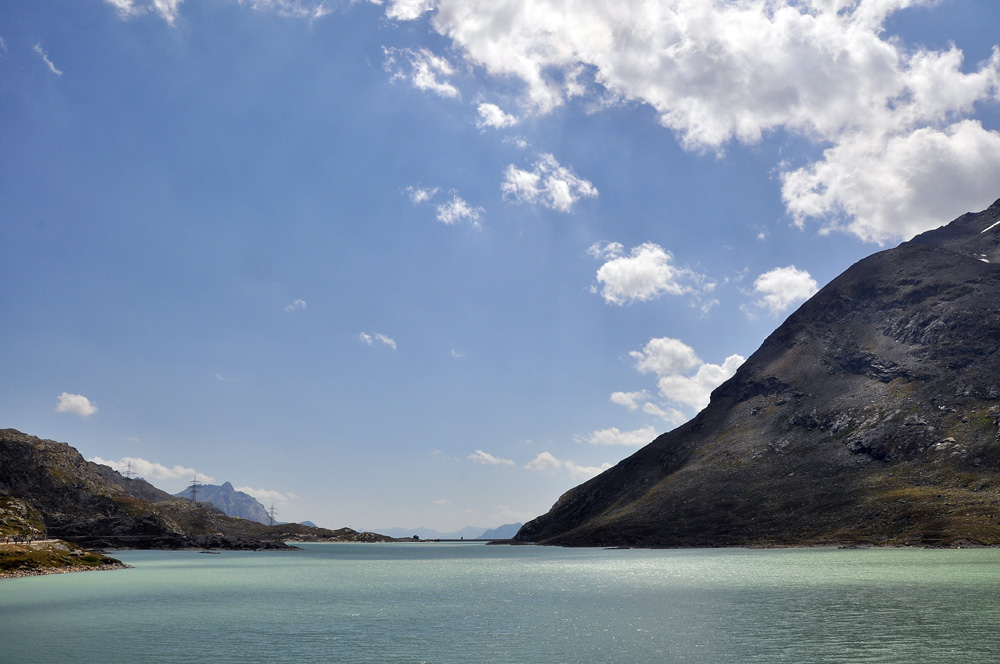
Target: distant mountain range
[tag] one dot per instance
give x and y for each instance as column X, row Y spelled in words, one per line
column 230, row 501
column 469, row 532
column 870, row 416
column 506, row 531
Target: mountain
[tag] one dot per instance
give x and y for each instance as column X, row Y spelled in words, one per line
column 47, row 487
column 230, row 501
column 870, row 416
column 469, row 532
column 506, row 531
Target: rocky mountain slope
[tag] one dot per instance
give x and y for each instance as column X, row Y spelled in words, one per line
column 49, row 486
column 870, row 416
column 230, row 501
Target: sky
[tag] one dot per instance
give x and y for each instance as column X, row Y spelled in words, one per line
column 435, row 262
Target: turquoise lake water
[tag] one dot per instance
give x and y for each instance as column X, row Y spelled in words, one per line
column 468, row 602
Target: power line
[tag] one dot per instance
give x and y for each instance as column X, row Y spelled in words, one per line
column 270, row 513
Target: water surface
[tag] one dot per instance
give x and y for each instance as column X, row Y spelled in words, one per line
column 467, row 602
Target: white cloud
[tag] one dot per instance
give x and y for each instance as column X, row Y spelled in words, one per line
column 548, row 183
column 419, row 195
column 406, row 10
column 645, row 274
column 781, row 288
column 673, row 362
column 488, row 459
column 884, row 188
column 717, row 71
column 297, row 304
column 267, row 495
column 457, row 210
column 421, row 68
column 76, row 404
column 614, row 436
column 519, row 142
column 168, row 10
column 629, row 399
column 546, row 462
column 150, row 470
column 695, row 391
column 665, row 356
column 310, row 9
column 219, row 377
column 45, row 59
column 379, row 337
column 491, row 115
column 670, row 415
column 457, row 355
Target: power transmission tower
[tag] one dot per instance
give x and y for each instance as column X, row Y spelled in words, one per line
column 195, row 485
column 270, row 513
column 129, row 473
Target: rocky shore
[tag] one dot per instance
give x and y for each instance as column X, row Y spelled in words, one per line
column 52, row 557
column 41, row 571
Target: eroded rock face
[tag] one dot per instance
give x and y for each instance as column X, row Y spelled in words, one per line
column 871, row 415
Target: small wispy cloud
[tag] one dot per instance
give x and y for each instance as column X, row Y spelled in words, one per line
column 267, row 495
column 487, row 459
column 420, row 195
column 614, row 436
column 219, row 377
column 548, row 183
column 45, row 58
column 630, row 400
column 492, row 116
column 457, row 210
column 452, row 212
column 296, row 305
column 168, row 10
column 421, row 68
column 378, row 337
column 546, row 462
column 457, row 355
column 77, row 404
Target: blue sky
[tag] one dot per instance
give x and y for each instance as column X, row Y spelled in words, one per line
column 435, row 262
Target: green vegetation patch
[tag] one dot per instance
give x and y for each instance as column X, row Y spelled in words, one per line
column 18, row 559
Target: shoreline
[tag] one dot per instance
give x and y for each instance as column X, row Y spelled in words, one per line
column 69, row 569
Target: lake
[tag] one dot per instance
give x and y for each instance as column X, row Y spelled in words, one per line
column 468, row 602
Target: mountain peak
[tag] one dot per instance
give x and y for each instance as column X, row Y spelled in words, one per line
column 869, row 416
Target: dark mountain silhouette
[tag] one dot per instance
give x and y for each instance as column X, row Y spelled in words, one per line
column 230, row 501
column 870, row 416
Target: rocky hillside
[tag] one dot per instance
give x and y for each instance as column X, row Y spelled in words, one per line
column 870, row 416
column 230, row 501
column 49, row 486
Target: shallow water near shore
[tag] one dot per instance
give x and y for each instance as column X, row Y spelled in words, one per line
column 468, row 602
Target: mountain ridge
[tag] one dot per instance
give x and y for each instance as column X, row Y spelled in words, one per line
column 48, row 488
column 229, row 500
column 869, row 416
